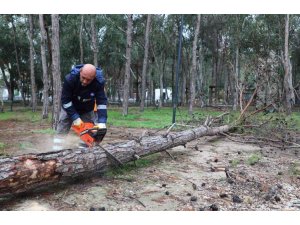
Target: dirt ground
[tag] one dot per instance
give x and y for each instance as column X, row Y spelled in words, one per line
column 188, row 178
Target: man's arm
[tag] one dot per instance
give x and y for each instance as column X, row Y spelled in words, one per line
column 101, row 101
column 66, row 101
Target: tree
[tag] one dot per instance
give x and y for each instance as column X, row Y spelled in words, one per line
column 194, row 66
column 80, row 39
column 56, row 74
column 18, row 68
column 32, row 77
column 145, row 63
column 288, row 81
column 94, row 41
column 44, row 66
column 128, row 63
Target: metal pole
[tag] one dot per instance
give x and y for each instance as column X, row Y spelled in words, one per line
column 175, row 101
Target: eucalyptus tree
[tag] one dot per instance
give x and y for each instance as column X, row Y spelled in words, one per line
column 14, row 55
column 94, row 45
column 80, row 38
column 145, row 63
column 288, row 81
column 44, row 66
column 194, row 65
column 162, row 49
column 70, row 42
column 128, row 63
column 6, row 57
column 31, row 57
column 56, row 73
column 112, row 57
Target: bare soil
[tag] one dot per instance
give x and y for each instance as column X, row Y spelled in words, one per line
column 210, row 173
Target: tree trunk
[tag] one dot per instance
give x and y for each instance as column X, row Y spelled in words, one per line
column 200, row 91
column 32, row 77
column 161, row 87
column 7, row 83
column 94, row 40
column 44, row 66
column 56, row 69
column 194, row 66
column 145, row 63
column 12, row 77
column 127, row 66
column 236, row 80
column 288, row 84
column 25, row 173
column 80, row 39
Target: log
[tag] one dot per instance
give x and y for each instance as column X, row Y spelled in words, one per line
column 26, row 173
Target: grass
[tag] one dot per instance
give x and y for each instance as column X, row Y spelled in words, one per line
column 2, row 149
column 2, row 145
column 44, row 131
column 235, row 162
column 24, row 115
column 156, row 118
column 294, row 169
column 253, row 159
column 153, row 118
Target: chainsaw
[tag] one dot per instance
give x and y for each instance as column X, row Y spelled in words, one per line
column 90, row 134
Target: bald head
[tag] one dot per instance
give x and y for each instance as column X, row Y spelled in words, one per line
column 87, row 74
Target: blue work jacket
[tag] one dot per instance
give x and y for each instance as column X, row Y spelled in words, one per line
column 77, row 99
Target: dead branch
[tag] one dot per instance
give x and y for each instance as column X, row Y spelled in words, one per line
column 248, row 104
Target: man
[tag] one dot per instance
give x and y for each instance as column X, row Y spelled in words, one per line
column 82, row 87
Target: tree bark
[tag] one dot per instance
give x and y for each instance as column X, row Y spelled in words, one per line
column 145, row 63
column 56, row 69
column 44, row 66
column 194, row 66
column 13, row 77
column 94, row 40
column 127, row 66
column 25, row 173
column 80, row 39
column 288, row 81
column 31, row 56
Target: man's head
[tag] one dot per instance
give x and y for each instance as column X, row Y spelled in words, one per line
column 87, row 74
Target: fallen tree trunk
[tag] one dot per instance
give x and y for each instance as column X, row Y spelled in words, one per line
column 25, row 173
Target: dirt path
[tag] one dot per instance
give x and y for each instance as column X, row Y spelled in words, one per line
column 192, row 178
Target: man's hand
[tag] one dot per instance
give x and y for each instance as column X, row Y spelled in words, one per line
column 100, row 125
column 78, row 122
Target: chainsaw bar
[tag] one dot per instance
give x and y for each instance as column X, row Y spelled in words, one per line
column 115, row 161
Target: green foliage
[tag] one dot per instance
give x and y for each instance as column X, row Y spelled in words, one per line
column 294, row 169
column 234, row 162
column 2, row 149
column 253, row 159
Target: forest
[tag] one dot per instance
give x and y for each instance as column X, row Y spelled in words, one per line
column 219, row 59
column 234, row 79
